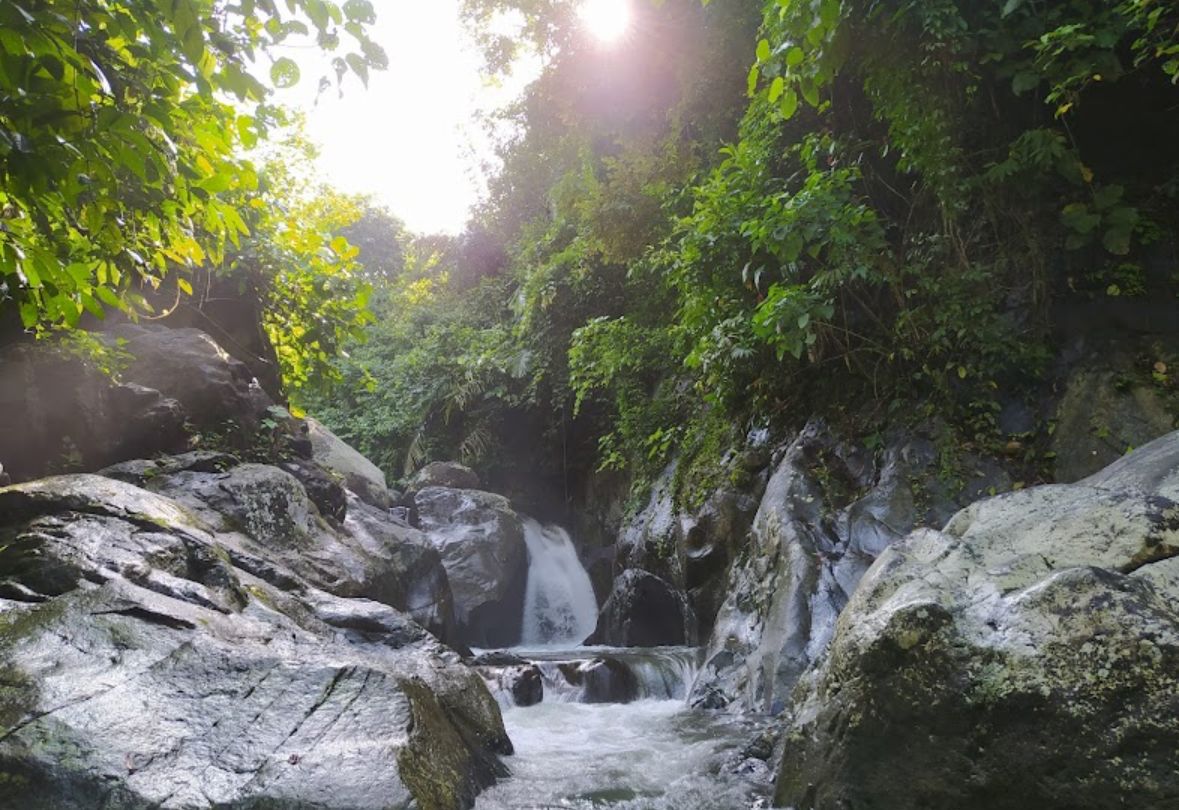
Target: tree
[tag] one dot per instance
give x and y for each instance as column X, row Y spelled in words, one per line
column 122, row 128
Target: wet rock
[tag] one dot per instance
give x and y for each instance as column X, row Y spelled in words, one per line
column 651, row 539
column 1025, row 656
column 324, row 491
column 360, row 475
column 527, row 686
column 449, row 474
column 498, row 658
column 642, row 611
column 481, row 543
column 143, row 668
column 607, row 680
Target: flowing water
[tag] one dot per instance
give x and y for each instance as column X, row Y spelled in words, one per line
column 575, row 749
column 559, row 603
column 646, row 755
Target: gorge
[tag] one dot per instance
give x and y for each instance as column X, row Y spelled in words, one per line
column 792, row 423
column 190, row 630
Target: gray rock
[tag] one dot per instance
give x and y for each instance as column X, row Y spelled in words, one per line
column 359, row 474
column 65, row 415
column 481, row 542
column 1103, row 413
column 217, row 391
column 1026, row 656
column 445, row 474
column 643, row 611
column 827, row 512
column 269, row 524
column 143, row 668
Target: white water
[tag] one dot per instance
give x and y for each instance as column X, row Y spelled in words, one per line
column 559, row 603
column 660, row 673
column 648, row 755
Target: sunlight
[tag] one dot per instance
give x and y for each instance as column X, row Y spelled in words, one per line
column 607, row 20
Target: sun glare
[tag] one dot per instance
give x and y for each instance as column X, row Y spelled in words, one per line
column 607, row 20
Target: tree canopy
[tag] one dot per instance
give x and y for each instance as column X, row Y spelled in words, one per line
column 124, row 130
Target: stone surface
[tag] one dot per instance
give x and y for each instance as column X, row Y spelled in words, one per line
column 142, row 666
column 445, row 474
column 267, row 519
column 217, row 392
column 1104, row 411
column 643, row 611
column 359, row 474
column 829, row 509
column 1025, row 656
column 481, row 541
column 64, row 415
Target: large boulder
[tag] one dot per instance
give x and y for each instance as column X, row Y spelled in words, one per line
column 1025, row 656
column 643, row 611
column 481, row 541
column 263, row 513
column 65, row 414
column 829, row 509
column 359, row 474
column 141, row 666
column 218, row 392
column 445, row 474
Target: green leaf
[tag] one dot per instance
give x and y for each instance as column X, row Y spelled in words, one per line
column 788, row 105
column 284, row 73
column 359, row 67
column 751, row 80
column 776, row 88
column 763, row 50
column 1024, row 81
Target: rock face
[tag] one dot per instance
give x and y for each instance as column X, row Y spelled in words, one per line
column 265, row 516
column 152, row 658
column 65, row 415
column 215, row 390
column 360, row 475
column 449, row 474
column 1103, row 412
column 829, row 509
column 73, row 417
column 1025, row 656
column 674, row 560
column 643, row 611
column 481, row 541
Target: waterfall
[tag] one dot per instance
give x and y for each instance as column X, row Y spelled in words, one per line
column 559, row 603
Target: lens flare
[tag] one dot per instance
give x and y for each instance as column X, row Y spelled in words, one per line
column 607, row 20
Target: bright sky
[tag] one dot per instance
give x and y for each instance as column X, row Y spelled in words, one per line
column 411, row 140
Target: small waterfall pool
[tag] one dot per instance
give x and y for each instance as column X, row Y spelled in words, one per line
column 611, row 728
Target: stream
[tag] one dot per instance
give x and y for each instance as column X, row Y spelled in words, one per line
column 612, row 729
column 645, row 755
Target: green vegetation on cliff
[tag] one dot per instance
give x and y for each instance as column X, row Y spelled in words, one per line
column 751, row 212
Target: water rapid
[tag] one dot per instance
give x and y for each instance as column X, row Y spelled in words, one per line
column 559, row 603
column 607, row 727
column 647, row 755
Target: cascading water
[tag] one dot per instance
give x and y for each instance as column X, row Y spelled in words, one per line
column 607, row 727
column 559, row 604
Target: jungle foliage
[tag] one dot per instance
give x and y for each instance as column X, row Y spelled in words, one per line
column 124, row 181
column 751, row 212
